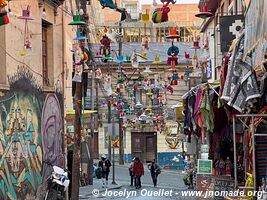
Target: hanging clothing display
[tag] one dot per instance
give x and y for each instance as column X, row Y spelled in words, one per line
column 240, row 85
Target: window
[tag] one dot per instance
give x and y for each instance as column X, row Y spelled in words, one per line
column 44, row 54
column 47, row 53
column 132, row 9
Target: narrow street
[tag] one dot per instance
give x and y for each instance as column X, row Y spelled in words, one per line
column 167, row 181
column 178, row 84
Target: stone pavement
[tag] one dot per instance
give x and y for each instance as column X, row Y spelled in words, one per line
column 127, row 165
column 87, row 191
column 167, row 179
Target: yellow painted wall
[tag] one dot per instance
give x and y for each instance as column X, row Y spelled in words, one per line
column 163, row 146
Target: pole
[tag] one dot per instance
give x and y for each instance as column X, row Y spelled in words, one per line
column 109, row 122
column 121, row 160
column 63, row 94
column 120, row 41
column 78, row 111
column 77, row 143
column 254, row 153
column 113, row 157
column 109, row 119
column 113, row 166
column 235, row 157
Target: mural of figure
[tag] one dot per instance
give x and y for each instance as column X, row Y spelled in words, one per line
column 52, row 131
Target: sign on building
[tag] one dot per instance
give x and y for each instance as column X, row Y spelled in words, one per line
column 204, row 166
column 230, row 27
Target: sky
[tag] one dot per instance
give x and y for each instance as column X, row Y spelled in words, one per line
column 177, row 1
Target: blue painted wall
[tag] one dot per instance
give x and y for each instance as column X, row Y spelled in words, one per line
column 171, row 160
column 168, row 160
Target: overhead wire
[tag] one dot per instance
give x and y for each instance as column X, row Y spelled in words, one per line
column 23, row 63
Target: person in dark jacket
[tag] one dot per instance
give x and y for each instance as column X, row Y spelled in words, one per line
column 105, row 165
column 155, row 171
column 131, row 173
column 138, row 170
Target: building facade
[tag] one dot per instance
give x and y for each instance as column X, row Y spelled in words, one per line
column 210, row 40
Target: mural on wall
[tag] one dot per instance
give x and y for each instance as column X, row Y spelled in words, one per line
column 170, row 146
column 52, row 132
column 22, row 147
column 20, row 141
column 171, row 135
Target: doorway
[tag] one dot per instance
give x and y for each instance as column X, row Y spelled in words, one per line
column 144, row 146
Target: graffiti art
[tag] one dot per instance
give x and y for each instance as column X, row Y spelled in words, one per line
column 20, row 148
column 26, row 136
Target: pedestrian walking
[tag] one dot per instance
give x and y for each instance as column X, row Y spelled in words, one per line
column 155, row 171
column 138, row 170
column 105, row 165
column 132, row 174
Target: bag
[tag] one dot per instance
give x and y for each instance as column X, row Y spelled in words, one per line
column 158, row 171
column 98, row 173
column 185, row 179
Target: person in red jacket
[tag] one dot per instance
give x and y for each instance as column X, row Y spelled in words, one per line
column 138, row 170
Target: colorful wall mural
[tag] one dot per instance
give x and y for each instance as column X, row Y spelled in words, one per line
column 21, row 137
column 171, row 135
column 170, row 148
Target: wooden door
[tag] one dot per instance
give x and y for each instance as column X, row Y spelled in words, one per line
column 150, row 148
column 137, row 145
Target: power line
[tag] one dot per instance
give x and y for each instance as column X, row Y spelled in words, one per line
column 23, row 63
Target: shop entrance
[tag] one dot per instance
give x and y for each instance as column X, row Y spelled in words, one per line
column 144, row 146
column 255, row 143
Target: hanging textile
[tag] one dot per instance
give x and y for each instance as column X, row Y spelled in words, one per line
column 240, row 85
column 206, row 111
column 197, row 114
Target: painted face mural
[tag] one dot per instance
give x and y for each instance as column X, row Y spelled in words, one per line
column 20, row 147
column 52, row 130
